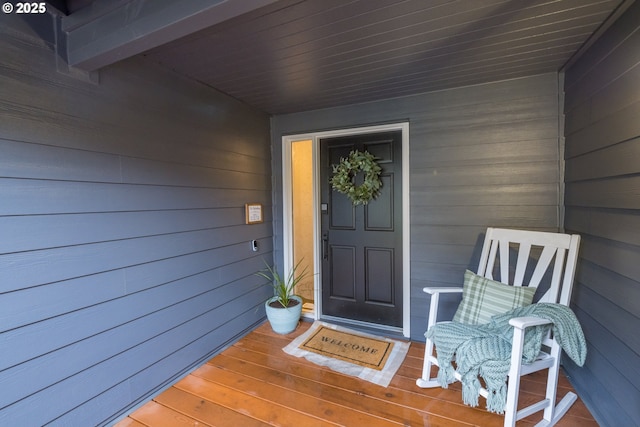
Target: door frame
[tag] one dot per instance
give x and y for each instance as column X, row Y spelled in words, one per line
column 287, row 209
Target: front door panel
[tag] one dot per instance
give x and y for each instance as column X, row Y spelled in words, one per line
column 362, row 245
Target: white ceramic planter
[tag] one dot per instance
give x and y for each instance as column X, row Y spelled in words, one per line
column 284, row 320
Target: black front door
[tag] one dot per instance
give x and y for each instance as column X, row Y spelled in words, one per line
column 362, row 245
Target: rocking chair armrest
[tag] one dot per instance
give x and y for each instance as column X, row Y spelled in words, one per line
column 441, row 290
column 435, row 299
column 526, row 322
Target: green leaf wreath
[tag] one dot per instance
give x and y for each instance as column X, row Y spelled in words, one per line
column 343, row 179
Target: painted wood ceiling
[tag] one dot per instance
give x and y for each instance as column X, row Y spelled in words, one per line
column 295, row 55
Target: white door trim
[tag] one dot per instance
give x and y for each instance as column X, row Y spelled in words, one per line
column 287, row 225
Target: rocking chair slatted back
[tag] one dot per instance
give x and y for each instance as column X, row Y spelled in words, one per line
column 554, row 249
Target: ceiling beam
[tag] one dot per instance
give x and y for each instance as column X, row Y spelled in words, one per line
column 108, row 31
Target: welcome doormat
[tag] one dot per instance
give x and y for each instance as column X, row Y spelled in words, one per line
column 371, row 358
column 364, row 351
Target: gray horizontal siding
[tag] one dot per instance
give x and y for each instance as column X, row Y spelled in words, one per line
column 603, row 204
column 125, row 258
column 485, row 155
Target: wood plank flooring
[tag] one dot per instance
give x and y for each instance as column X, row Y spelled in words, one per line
column 254, row 383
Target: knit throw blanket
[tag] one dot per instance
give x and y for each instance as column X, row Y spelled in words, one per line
column 485, row 350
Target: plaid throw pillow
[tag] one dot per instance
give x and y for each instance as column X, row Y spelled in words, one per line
column 483, row 298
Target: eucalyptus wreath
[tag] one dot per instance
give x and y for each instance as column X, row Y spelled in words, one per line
column 345, row 172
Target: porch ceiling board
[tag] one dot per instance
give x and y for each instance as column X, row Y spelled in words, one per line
column 288, row 56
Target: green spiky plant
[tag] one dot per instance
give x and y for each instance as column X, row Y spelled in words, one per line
column 283, row 287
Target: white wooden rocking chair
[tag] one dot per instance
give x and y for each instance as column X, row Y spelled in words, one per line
column 495, row 253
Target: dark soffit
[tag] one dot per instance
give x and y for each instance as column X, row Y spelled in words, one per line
column 289, row 56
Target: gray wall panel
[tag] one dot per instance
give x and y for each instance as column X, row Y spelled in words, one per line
column 600, row 374
column 603, row 204
column 480, row 156
column 125, row 258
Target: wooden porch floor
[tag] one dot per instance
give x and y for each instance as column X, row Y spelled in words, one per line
column 254, row 383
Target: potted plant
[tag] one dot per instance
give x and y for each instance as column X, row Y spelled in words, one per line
column 284, row 308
